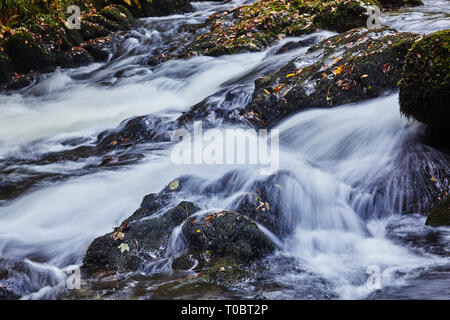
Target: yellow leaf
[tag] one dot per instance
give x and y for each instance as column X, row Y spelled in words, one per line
column 364, row 76
column 290, row 75
column 339, row 70
column 174, row 185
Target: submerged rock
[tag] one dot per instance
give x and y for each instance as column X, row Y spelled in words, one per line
column 425, row 82
column 440, row 214
column 352, row 66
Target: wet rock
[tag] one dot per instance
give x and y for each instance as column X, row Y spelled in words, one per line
column 27, row 55
column 400, row 3
column 119, row 15
column 91, row 31
column 99, row 49
column 73, row 58
column 440, row 214
column 262, row 203
column 227, row 274
column 256, row 26
column 227, row 235
column 145, row 235
column 6, row 294
column 425, row 83
column 135, row 131
column 352, row 66
column 6, row 68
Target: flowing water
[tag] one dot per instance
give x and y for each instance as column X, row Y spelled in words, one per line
column 352, row 171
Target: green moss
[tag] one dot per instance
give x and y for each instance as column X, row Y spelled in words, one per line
column 256, row 26
column 440, row 214
column 425, row 83
column 226, row 274
column 26, row 54
column 400, row 3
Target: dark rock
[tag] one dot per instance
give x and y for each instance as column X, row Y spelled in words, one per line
column 27, row 55
column 167, row 7
column 263, row 203
column 352, row 66
column 425, row 83
column 143, row 236
column 440, row 214
column 119, row 15
column 91, row 31
column 227, row 235
column 6, row 294
column 73, row 58
column 98, row 50
column 400, row 3
column 6, row 69
column 134, row 131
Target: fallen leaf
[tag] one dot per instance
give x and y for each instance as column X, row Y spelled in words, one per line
column 339, row 70
column 174, row 185
column 123, row 247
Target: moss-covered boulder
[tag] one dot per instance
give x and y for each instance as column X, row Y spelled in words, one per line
column 256, row 26
column 425, row 83
column 140, row 238
column 26, row 54
column 227, row 235
column 352, row 66
column 147, row 8
column 400, row 3
column 119, row 15
column 440, row 214
column 6, row 65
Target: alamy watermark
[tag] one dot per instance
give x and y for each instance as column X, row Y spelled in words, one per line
column 74, row 21
column 73, row 280
column 374, row 13
column 227, row 147
column 374, row 280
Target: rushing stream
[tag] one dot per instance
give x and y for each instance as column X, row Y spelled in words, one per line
column 351, row 170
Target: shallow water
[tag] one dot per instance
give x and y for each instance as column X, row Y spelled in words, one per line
column 352, row 170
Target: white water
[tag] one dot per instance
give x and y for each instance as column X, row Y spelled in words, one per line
column 337, row 159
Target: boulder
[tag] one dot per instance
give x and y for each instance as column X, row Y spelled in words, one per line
column 27, row 55
column 440, row 214
column 400, row 3
column 227, row 235
column 256, row 26
column 352, row 66
column 140, row 238
column 425, row 83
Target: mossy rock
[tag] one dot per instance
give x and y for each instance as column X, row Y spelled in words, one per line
column 146, row 233
column 6, row 68
column 440, row 214
column 26, row 54
column 352, row 66
column 256, row 26
column 227, row 235
column 91, row 31
column 400, row 3
column 425, row 83
column 226, row 274
column 104, row 22
column 119, row 15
